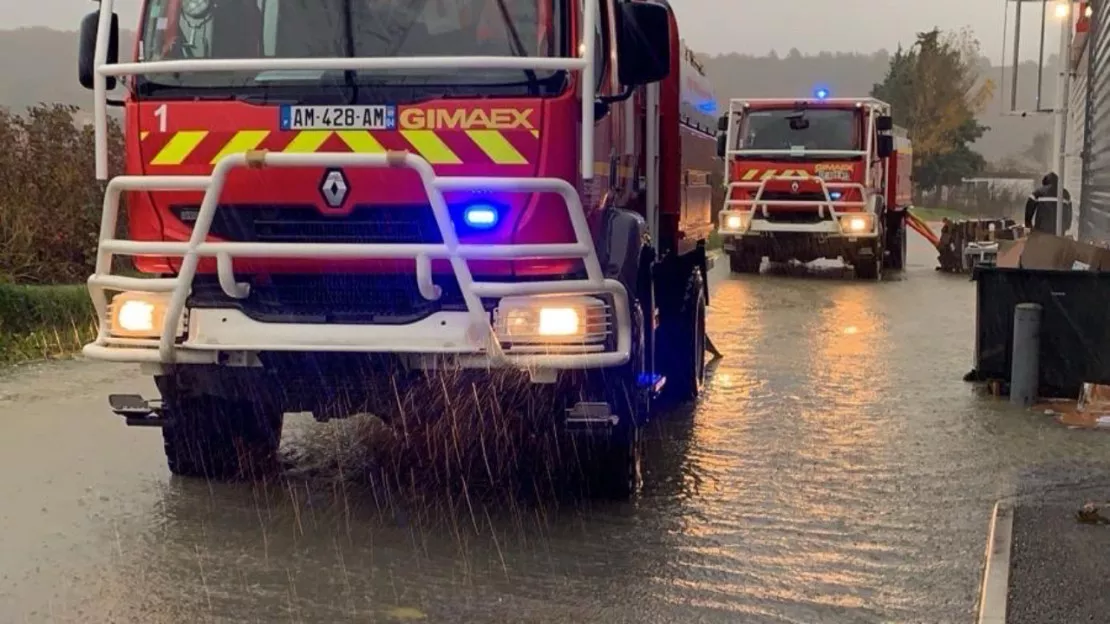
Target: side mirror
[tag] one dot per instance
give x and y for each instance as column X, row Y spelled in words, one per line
column 885, row 146
column 643, row 43
column 722, row 123
column 884, row 123
column 86, row 49
column 722, row 145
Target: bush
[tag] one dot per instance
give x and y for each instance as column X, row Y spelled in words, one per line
column 50, row 200
column 39, row 322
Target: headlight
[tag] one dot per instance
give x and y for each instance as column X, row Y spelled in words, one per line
column 856, row 223
column 552, row 320
column 137, row 314
column 560, row 321
column 734, row 222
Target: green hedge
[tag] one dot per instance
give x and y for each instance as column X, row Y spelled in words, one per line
column 40, row 322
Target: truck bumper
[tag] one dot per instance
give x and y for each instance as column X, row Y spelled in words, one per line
column 566, row 324
column 848, row 225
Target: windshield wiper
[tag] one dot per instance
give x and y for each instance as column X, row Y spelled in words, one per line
column 350, row 76
column 517, row 44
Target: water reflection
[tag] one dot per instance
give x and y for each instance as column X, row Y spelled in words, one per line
column 836, row 470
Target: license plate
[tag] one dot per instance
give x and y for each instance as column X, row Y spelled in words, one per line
column 338, row 117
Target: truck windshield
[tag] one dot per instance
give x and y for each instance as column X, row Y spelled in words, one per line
column 223, row 29
column 814, row 129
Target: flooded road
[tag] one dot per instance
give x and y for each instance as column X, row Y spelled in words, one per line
column 837, row 470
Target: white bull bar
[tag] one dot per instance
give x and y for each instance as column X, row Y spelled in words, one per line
column 482, row 339
column 827, row 208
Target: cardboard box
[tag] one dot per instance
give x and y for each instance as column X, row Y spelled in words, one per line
column 1009, row 253
column 1048, row 252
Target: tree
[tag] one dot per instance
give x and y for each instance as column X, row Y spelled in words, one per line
column 50, row 200
column 1040, row 150
column 935, row 91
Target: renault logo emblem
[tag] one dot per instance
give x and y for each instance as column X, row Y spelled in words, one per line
column 334, row 188
column 794, row 187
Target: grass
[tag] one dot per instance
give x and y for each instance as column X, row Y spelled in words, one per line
column 43, row 322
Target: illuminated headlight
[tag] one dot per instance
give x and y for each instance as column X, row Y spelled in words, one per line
column 137, row 314
column 555, row 320
column 734, row 222
column 856, row 223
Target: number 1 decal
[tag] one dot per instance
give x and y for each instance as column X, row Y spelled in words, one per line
column 160, row 113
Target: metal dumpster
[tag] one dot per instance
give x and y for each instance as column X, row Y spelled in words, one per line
column 1074, row 345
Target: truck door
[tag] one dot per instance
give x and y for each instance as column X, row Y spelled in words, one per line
column 608, row 131
column 623, row 117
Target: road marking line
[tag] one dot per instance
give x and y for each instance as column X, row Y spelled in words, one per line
column 996, row 572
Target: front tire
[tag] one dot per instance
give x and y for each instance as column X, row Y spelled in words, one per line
column 870, row 268
column 609, row 458
column 686, row 350
column 740, row 262
column 220, row 439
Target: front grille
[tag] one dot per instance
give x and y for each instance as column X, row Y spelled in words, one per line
column 791, row 213
column 791, row 216
column 352, row 299
column 368, row 224
column 813, row 196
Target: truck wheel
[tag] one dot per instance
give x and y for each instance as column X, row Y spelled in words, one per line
column 614, row 463
column 869, row 268
column 609, row 458
column 740, row 262
column 896, row 243
column 686, row 350
column 220, row 439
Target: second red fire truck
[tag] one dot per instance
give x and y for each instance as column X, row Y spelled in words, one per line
column 814, row 178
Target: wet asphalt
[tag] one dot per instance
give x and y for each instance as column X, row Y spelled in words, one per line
column 836, row 470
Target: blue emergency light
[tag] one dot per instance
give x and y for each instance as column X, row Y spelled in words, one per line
column 821, row 93
column 480, row 216
column 707, row 106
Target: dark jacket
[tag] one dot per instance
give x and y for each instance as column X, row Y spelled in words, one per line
column 1040, row 208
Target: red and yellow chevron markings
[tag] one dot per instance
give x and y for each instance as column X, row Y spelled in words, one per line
column 442, row 136
column 765, row 174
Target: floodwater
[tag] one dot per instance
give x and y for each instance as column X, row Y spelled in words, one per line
column 836, row 470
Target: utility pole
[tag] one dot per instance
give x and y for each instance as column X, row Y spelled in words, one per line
column 1065, row 12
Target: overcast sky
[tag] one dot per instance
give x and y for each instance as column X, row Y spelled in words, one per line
column 719, row 26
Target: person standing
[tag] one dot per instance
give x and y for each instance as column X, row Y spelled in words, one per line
column 1040, row 208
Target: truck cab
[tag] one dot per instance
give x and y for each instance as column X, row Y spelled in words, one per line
column 810, row 179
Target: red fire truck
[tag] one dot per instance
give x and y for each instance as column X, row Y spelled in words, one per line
column 324, row 194
column 815, row 178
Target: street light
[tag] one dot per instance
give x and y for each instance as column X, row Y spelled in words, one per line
column 1063, row 8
